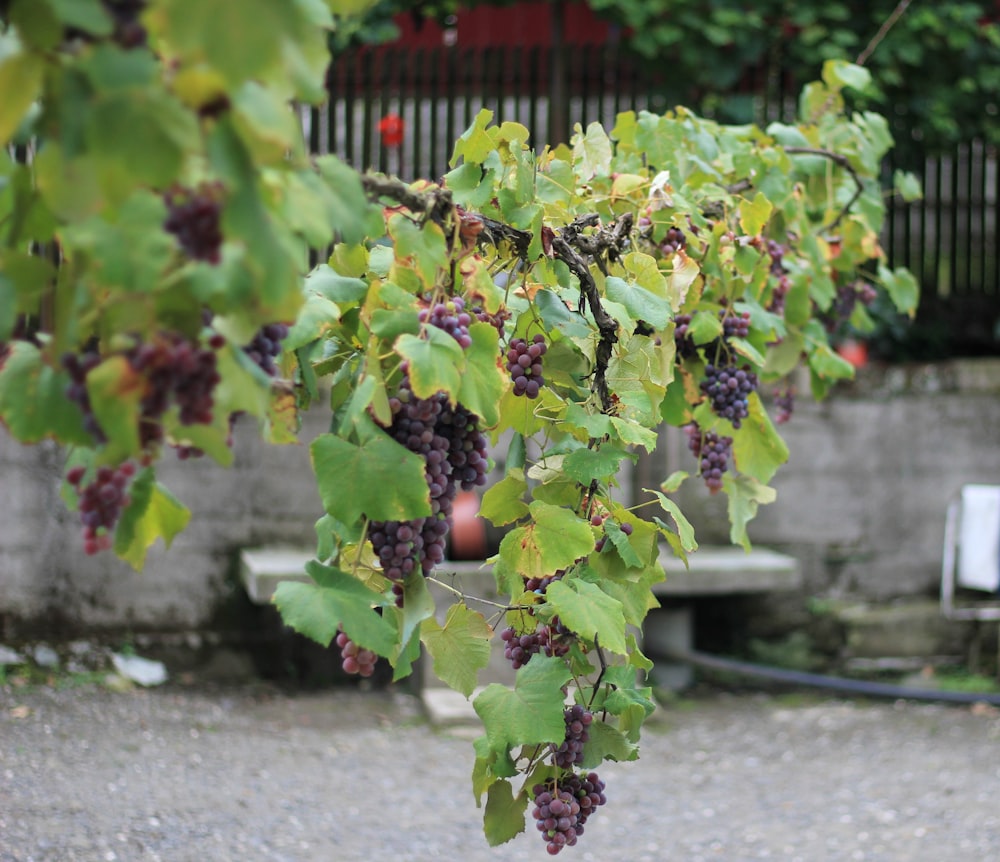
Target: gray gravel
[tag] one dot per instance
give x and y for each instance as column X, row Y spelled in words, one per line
column 191, row 774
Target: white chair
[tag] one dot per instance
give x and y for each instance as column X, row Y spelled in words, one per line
column 971, row 560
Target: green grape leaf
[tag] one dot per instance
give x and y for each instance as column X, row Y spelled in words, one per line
column 33, row 402
column 590, row 612
column 153, row 513
column 350, row 212
column 605, row 742
column 758, row 449
column 504, row 816
column 684, row 529
column 418, row 606
column 532, row 712
column 241, row 41
column 482, row 383
column 553, row 540
column 620, row 541
column 584, row 465
column 21, row 76
column 476, row 143
column 423, row 245
column 745, row 494
column 591, row 151
column 754, row 214
column 437, row 362
column 378, row 478
column 640, row 303
column 503, row 503
column 902, row 287
column 336, row 599
column 460, row 648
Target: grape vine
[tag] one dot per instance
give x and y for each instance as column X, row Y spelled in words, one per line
column 548, row 310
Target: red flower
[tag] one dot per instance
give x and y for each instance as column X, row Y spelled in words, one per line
column 391, row 129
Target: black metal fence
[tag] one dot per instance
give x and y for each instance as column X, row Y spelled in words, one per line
column 949, row 239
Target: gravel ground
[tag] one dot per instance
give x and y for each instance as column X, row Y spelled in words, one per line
column 249, row 774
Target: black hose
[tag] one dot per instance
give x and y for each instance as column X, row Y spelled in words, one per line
column 833, row 683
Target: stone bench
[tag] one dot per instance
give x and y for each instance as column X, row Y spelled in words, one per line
column 668, row 630
column 711, row 571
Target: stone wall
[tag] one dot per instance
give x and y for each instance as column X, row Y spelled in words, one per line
column 861, row 503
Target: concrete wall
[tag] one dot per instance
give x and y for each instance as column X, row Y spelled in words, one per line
column 268, row 496
column 862, row 499
column 861, row 504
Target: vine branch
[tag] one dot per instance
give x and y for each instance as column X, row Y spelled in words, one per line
column 841, row 161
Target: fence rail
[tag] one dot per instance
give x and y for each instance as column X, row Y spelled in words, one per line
column 949, row 239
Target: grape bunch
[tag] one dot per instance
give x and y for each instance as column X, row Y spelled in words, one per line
column 847, row 298
column 265, row 347
column 496, row 320
column 453, row 447
column 194, row 217
column 735, row 325
column 101, row 502
column 712, row 452
column 780, row 291
column 673, row 242
column 570, row 752
column 598, row 521
column 784, row 402
column 78, row 367
column 467, row 453
column 176, row 371
column 354, row 659
column 451, row 317
column 728, row 389
column 524, row 363
column 552, row 640
column 562, row 808
column 685, row 346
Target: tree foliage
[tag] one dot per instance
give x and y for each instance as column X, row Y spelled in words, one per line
column 936, row 70
column 158, row 207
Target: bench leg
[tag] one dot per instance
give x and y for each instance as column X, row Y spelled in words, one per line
column 667, row 631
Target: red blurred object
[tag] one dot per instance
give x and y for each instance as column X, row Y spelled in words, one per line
column 391, row 127
column 855, row 352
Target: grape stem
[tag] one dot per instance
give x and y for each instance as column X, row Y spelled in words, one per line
column 466, row 597
column 840, row 161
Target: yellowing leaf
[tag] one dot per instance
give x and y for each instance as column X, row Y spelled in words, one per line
column 460, row 648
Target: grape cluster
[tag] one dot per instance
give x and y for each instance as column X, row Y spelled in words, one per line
column 497, row 320
column 524, row 363
column 552, row 640
column 451, row 317
column 685, row 346
column 265, row 347
column 781, row 288
column 562, row 808
column 784, row 402
column 728, row 389
column 176, row 371
column 673, row 242
column 101, row 502
column 354, row 659
column 735, row 325
column 454, row 451
column 570, row 751
column 712, row 452
column 78, row 367
column 193, row 216
column 847, row 298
